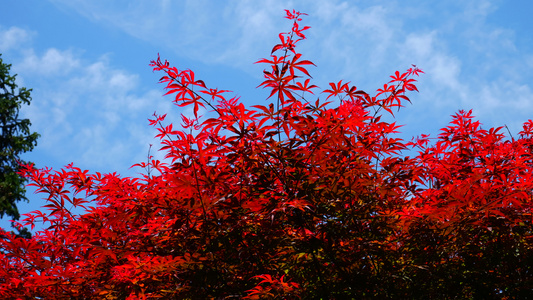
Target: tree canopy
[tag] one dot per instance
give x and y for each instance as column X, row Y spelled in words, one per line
column 15, row 139
column 309, row 196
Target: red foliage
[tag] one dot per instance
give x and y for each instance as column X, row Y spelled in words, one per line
column 299, row 198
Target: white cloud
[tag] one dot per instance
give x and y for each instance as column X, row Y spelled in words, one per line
column 13, row 37
column 474, row 10
column 419, row 46
column 85, row 111
column 52, row 63
column 501, row 101
column 421, row 49
column 445, row 72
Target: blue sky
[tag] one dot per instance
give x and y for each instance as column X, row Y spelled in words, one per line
column 93, row 91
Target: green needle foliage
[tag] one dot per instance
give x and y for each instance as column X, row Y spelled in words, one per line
column 15, row 139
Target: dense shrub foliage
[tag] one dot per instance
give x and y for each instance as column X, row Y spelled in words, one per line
column 309, row 196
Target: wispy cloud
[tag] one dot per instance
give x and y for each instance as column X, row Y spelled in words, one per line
column 228, row 33
column 469, row 61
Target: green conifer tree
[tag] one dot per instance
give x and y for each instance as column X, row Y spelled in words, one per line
column 15, row 139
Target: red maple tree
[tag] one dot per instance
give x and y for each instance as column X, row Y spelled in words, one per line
column 301, row 198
